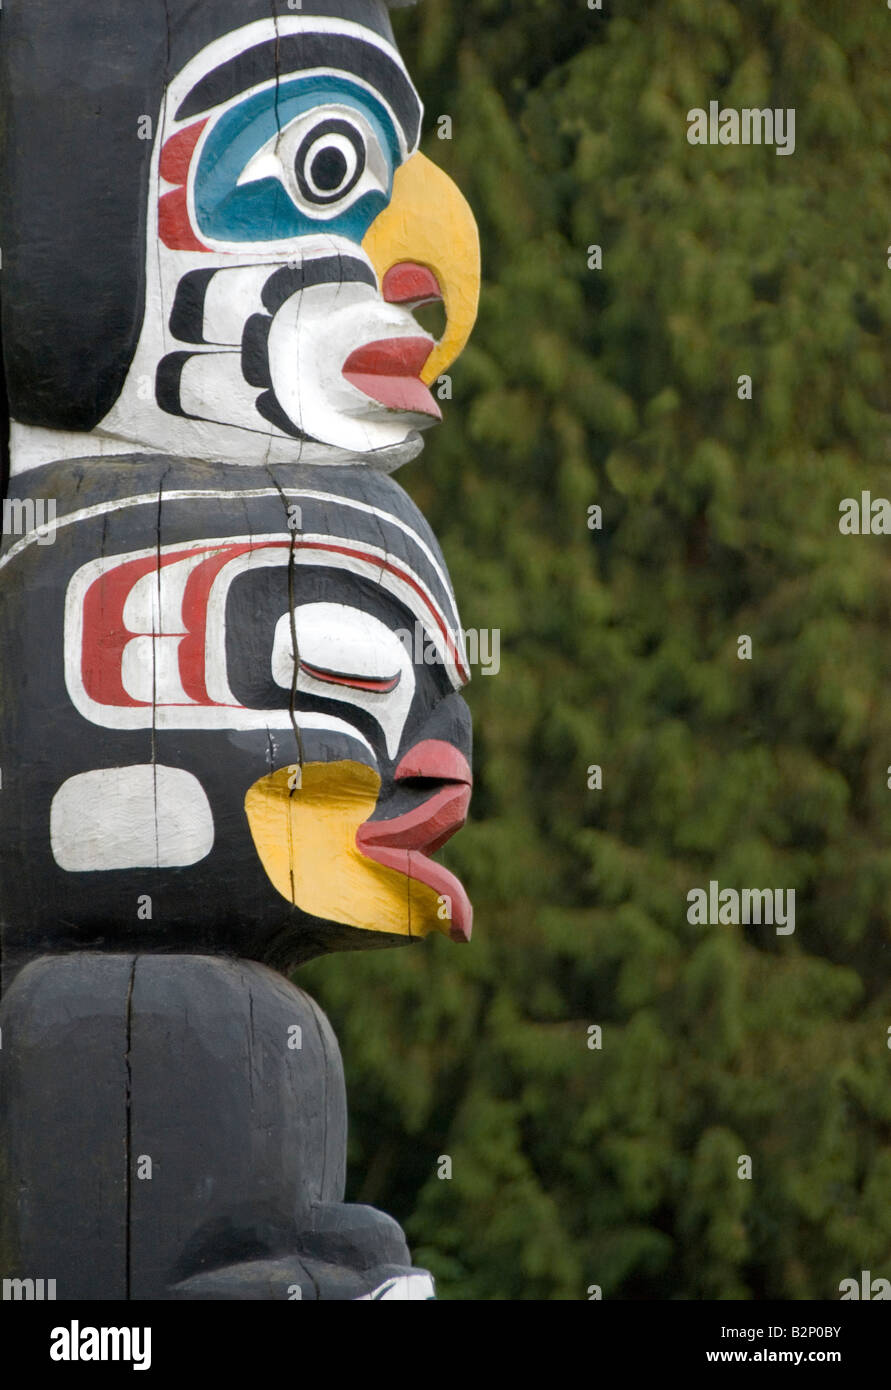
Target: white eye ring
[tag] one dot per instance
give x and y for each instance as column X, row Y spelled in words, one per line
column 360, row 146
column 330, row 141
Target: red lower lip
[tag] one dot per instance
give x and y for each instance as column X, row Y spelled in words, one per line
column 401, row 843
column 389, row 372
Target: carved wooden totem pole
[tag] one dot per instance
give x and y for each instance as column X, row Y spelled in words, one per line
column 223, row 748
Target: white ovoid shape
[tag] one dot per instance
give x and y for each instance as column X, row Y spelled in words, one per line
column 350, row 656
column 139, row 817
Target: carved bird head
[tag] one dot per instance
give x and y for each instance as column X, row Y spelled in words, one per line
column 292, row 227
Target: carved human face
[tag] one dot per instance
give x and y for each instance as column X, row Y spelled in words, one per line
column 385, row 779
column 256, row 710
column 292, row 228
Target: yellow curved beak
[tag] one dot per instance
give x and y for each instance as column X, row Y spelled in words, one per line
column 428, row 222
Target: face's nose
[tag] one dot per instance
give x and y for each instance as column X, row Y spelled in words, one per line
column 434, row 760
column 431, row 784
column 410, row 284
column 444, row 740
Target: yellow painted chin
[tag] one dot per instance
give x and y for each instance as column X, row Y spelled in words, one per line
column 428, row 221
column 306, row 840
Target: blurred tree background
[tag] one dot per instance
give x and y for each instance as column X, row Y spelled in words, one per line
column 618, row 386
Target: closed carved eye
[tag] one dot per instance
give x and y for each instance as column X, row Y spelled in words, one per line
column 381, row 685
column 349, row 656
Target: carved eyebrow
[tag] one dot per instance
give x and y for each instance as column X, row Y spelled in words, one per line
column 381, row 685
column 292, row 53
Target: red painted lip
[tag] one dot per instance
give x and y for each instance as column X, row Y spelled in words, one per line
column 404, row 842
column 389, row 372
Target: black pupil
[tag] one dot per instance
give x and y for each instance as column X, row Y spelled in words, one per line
column 329, row 168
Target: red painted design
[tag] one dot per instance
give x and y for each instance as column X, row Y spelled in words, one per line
column 425, row 828
column 388, row 371
column 174, row 223
column 105, row 635
column 193, row 648
column 410, row 283
column 176, row 155
column 380, row 685
column 404, row 842
column 434, row 758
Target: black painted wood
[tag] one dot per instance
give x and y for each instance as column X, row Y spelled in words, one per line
column 224, row 902
column 63, row 1125
column 240, row 1132
column 162, row 1136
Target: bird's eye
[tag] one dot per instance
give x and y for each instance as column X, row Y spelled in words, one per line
column 329, row 162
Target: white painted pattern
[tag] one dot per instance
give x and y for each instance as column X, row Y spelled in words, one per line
column 155, row 677
column 276, row 158
column 311, row 337
column 146, row 499
column 348, row 641
column 138, row 817
column 401, row 1288
column 230, row 299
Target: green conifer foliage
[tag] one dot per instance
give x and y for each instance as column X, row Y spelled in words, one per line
column 574, row 1165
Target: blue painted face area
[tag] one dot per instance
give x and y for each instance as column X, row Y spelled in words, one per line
column 263, row 210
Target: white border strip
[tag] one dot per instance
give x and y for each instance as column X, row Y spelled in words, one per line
column 144, row 499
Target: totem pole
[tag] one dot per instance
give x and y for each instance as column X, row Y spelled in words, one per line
column 231, row 732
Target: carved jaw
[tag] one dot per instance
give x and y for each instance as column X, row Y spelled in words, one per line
column 250, row 367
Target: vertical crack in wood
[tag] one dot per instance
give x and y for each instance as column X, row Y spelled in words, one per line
column 295, row 650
